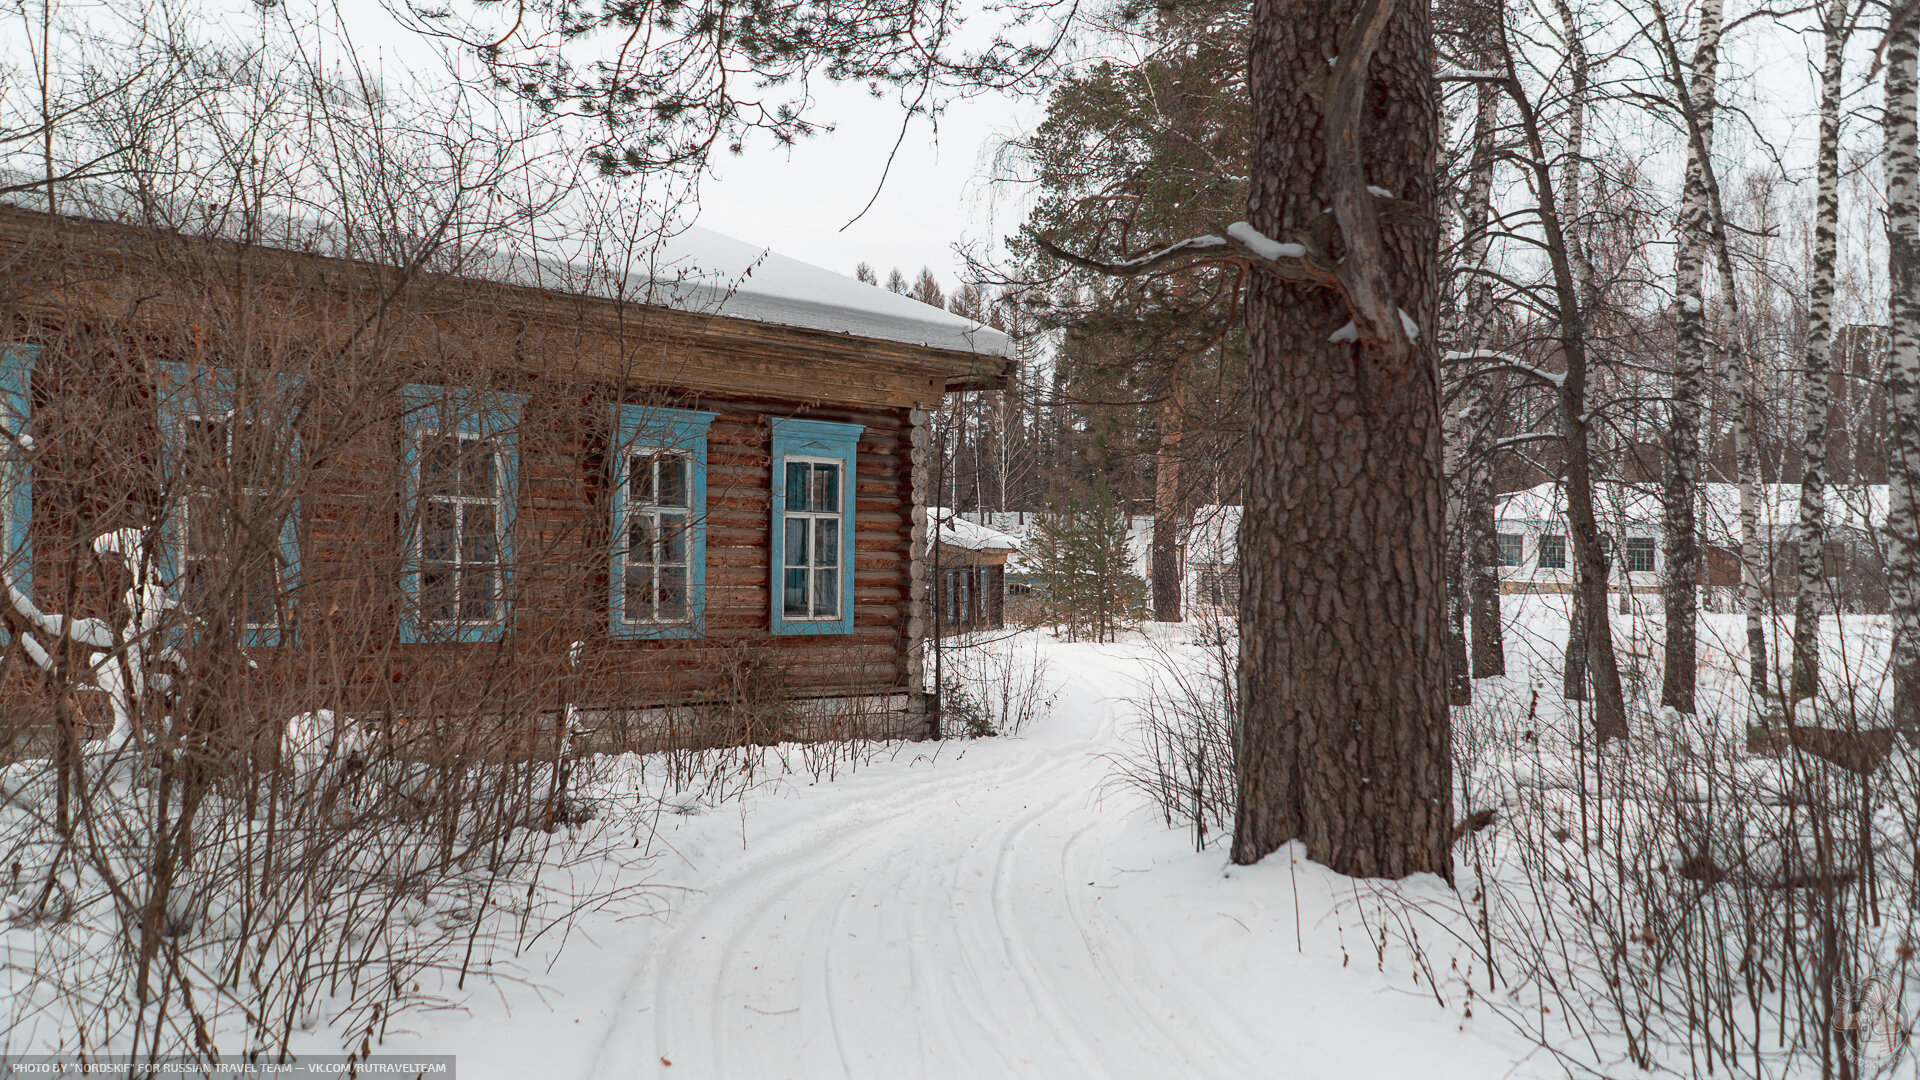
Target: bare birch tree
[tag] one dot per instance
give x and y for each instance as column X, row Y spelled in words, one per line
column 1835, row 28
column 1681, row 491
column 1903, row 372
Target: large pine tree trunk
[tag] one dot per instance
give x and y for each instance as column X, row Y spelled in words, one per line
column 1813, row 447
column 1345, row 738
column 1690, row 384
column 1169, row 521
column 1903, row 372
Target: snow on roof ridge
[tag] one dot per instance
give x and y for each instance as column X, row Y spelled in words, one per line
column 748, row 281
column 956, row 531
column 1849, row 506
column 692, row 269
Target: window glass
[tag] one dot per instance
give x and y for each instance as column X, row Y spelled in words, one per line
column 1552, row 553
column 1639, row 553
column 1511, row 548
column 655, row 570
column 811, row 583
column 223, row 465
column 460, row 515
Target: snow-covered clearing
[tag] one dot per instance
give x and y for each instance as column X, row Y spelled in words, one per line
column 983, row 908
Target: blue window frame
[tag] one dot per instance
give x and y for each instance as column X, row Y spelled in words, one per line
column 462, row 504
column 16, row 476
column 228, row 454
column 812, row 555
column 657, row 569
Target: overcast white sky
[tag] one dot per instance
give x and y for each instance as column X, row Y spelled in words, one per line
column 799, row 202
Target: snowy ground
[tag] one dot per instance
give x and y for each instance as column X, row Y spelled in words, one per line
column 987, row 908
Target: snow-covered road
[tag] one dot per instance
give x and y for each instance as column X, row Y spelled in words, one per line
column 1000, row 910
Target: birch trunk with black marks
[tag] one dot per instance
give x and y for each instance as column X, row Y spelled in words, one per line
column 1345, row 738
column 1812, row 533
column 1752, row 553
column 1469, row 466
column 1903, row 371
column 1681, row 490
column 1743, row 375
column 1573, row 667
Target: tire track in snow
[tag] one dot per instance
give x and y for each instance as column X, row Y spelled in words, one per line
column 943, row 926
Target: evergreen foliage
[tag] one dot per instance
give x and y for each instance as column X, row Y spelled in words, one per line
column 1082, row 566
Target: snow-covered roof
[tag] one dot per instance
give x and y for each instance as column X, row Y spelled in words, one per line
column 688, row 268
column 701, row 270
column 1859, row 507
column 955, row 531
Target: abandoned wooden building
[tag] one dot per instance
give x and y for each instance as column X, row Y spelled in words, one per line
column 970, row 565
column 514, row 485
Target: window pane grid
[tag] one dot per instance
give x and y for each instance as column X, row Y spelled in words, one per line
column 1511, row 550
column 1639, row 553
column 460, row 579
column 224, row 460
column 811, row 582
column 1553, row 552
column 654, row 564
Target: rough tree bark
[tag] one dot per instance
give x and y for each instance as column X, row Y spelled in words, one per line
column 1483, row 558
column 1682, row 549
column 1344, row 741
column 1169, row 521
column 1812, row 535
column 1903, row 372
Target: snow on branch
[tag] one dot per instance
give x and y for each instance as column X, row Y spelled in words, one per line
column 1242, row 242
column 1263, row 245
column 1499, row 361
column 118, row 665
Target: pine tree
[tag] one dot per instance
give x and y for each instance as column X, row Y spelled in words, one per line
column 1152, row 370
column 926, row 289
column 864, row 272
column 897, row 281
column 1083, row 565
column 1345, row 739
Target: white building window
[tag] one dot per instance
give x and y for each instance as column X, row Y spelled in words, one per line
column 1552, row 552
column 1639, row 553
column 1512, row 548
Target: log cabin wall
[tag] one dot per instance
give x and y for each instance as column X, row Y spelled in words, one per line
column 571, row 357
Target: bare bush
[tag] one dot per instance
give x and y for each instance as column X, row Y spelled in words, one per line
column 1180, row 753
column 993, row 683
